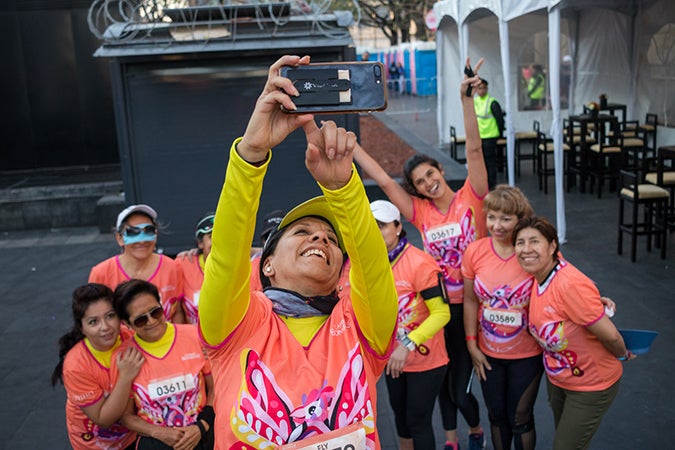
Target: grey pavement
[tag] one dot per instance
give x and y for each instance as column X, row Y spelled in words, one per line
column 41, row 268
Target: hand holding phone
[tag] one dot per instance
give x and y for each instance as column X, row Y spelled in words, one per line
column 468, row 71
column 344, row 87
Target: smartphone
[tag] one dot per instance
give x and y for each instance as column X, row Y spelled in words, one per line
column 341, row 87
column 468, row 71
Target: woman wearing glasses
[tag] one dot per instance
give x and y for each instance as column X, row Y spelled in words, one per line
column 172, row 394
column 136, row 234
column 94, row 404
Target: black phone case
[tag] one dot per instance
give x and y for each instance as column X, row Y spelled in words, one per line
column 468, row 71
column 338, row 87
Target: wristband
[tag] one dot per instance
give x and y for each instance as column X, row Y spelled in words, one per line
column 408, row 343
column 208, row 415
column 200, row 425
column 625, row 358
column 471, row 337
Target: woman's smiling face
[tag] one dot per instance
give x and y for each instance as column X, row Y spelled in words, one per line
column 428, row 180
column 534, row 252
column 141, row 305
column 307, row 258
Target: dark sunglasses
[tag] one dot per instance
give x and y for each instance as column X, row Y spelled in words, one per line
column 135, row 231
column 143, row 320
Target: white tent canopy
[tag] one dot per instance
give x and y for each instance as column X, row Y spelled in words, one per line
column 623, row 48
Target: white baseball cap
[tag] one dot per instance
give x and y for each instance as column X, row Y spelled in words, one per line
column 385, row 211
column 129, row 210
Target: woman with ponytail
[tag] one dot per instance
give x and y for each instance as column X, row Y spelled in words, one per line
column 93, row 405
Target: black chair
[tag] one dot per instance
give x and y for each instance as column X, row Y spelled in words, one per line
column 531, row 138
column 664, row 177
column 578, row 144
column 455, row 142
column 651, row 221
column 544, row 149
column 649, row 131
column 606, row 157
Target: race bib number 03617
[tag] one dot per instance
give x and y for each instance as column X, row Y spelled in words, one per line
column 443, row 232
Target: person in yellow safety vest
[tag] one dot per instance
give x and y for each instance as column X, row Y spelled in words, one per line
column 490, row 127
column 536, row 87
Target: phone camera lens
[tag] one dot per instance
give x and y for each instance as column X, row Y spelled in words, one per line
column 377, row 71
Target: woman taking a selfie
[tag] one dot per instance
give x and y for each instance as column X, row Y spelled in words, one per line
column 295, row 362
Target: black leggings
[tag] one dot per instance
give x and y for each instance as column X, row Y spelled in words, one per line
column 412, row 396
column 453, row 394
column 148, row 443
column 510, row 392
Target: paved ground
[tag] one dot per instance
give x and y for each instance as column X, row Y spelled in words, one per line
column 40, row 269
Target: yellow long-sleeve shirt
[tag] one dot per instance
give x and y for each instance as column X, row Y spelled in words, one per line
column 225, row 294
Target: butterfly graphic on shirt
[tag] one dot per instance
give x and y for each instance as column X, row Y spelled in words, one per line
column 176, row 410
column 557, row 357
column 504, row 297
column 266, row 417
column 448, row 252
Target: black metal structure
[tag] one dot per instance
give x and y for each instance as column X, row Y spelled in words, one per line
column 56, row 107
column 179, row 104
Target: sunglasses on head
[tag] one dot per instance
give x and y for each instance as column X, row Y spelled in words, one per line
column 132, row 231
column 143, row 320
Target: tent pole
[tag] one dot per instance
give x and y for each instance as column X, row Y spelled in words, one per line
column 506, row 72
column 556, row 127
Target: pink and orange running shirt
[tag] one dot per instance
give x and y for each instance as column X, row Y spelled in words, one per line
column 170, row 391
column 415, row 271
column 560, row 311
column 503, row 291
column 332, row 384
column 166, row 277
column 276, row 383
column 193, row 277
column 446, row 236
column 88, row 382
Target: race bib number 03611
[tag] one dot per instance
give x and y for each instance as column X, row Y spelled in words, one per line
column 508, row 317
column 171, row 386
column 443, row 232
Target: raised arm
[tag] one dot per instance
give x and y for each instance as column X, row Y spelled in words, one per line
column 225, row 294
column 373, row 293
column 394, row 191
column 474, row 150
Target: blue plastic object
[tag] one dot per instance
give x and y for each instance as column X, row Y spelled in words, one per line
column 638, row 341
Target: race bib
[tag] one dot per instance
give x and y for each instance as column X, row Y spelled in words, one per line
column 509, row 317
column 442, row 232
column 171, row 386
column 352, row 437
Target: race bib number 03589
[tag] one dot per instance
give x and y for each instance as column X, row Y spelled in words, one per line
column 171, row 386
column 508, row 317
column 443, row 232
